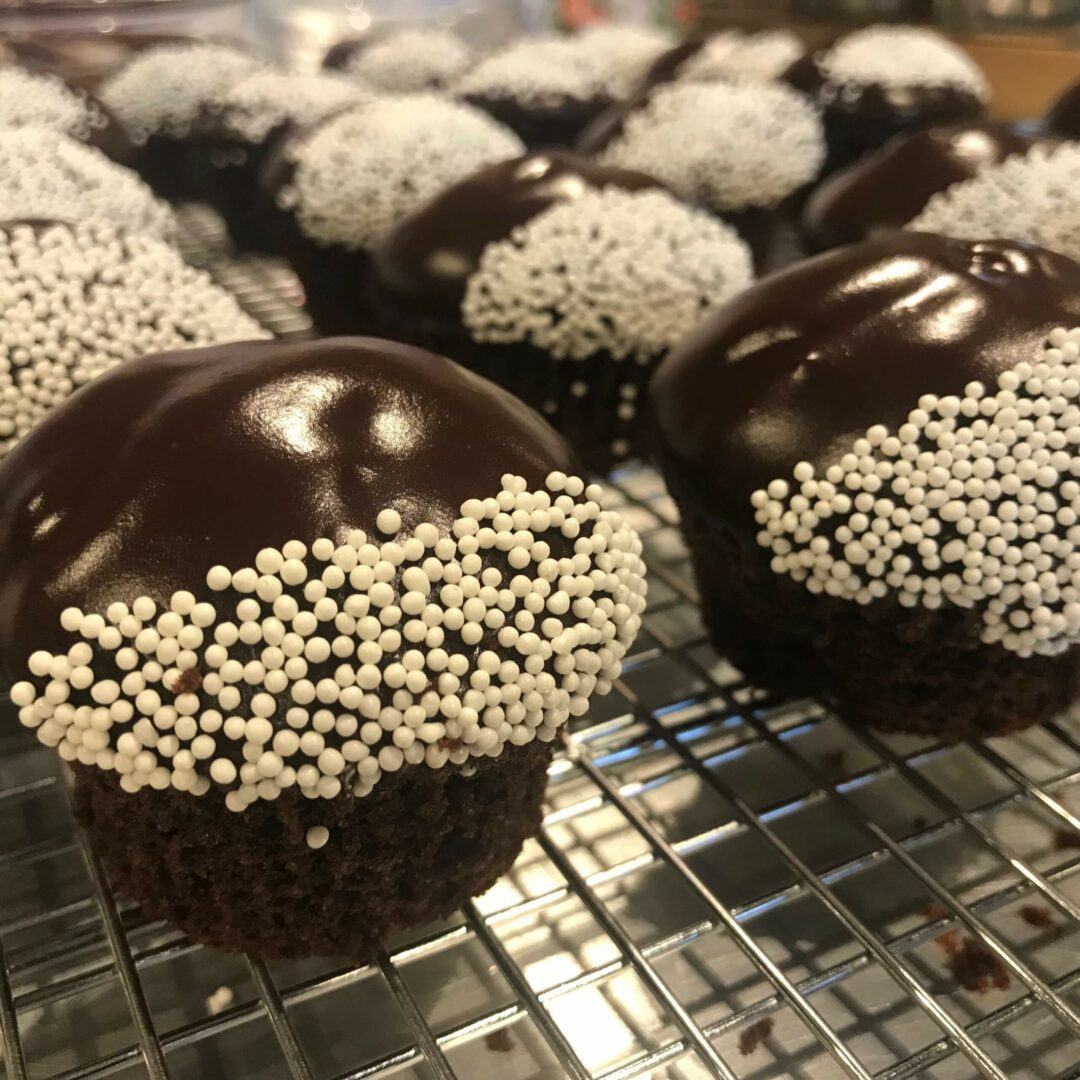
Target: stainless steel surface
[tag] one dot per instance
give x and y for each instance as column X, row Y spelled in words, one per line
column 725, row 885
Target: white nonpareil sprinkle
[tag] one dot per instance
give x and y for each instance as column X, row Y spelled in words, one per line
column 627, row 273
column 220, row 1000
column 620, row 55
column 46, row 101
column 729, row 146
column 325, row 665
column 163, row 89
column 358, row 173
column 898, row 56
column 76, row 301
column 974, row 502
column 267, row 99
column 47, row 176
column 736, row 56
column 1031, row 197
column 410, row 61
column 317, row 836
column 539, row 72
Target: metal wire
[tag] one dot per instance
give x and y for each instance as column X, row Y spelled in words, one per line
column 590, row 771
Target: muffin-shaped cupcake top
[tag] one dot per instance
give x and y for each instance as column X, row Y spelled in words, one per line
column 263, row 102
column 1063, row 117
column 162, row 90
column 46, row 176
column 893, row 71
column 46, row 101
column 404, row 62
column 362, row 558
column 899, row 418
column 81, row 299
column 353, row 176
column 730, row 55
column 1031, row 197
column 728, row 146
column 888, row 187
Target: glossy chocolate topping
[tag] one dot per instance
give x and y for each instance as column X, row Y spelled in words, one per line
column 803, row 362
column 171, row 464
column 888, row 187
column 666, row 66
column 428, row 258
column 1063, row 117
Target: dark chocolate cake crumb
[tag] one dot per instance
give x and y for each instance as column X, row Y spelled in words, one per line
column 833, row 763
column 188, row 682
column 1039, row 916
column 499, row 1041
column 753, row 1036
column 977, row 969
column 918, row 822
column 1065, row 839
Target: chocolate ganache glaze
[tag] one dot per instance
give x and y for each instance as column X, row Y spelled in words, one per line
column 803, row 362
column 206, row 456
column 1063, row 117
column 426, row 261
column 888, row 187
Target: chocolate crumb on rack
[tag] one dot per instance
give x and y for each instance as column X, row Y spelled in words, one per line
column 751, row 1038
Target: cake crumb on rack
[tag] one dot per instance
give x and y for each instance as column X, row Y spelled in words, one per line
column 1065, row 839
column 1039, row 916
column 751, row 1038
column 499, row 1041
column 977, row 969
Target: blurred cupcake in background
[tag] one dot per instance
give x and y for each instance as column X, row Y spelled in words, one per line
column 562, row 279
column 888, row 187
column 743, row 151
column 339, row 187
column 881, row 80
column 1063, row 117
column 729, row 55
column 402, row 61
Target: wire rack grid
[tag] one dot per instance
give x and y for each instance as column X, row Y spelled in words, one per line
column 725, row 885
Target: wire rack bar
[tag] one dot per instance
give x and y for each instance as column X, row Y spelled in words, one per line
column 279, row 1020
column 436, row 1059
column 11, row 1048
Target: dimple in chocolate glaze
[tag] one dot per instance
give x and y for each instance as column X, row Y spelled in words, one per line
column 887, row 188
column 788, row 372
column 225, row 450
column 428, row 259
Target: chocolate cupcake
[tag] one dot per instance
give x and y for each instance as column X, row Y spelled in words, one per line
column 742, row 151
column 160, row 94
column 562, row 280
column 621, row 55
column 45, row 176
column 305, row 712
column 1034, row 197
column 877, row 82
column 873, row 453
column 728, row 56
column 341, row 185
column 1063, row 117
column 402, row 62
column 46, row 101
column 233, row 136
column 888, row 187
column 82, row 299
column 545, row 89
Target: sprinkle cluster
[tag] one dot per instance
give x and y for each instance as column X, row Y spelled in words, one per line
column 736, row 56
column 1031, row 197
column 626, row 273
column 163, row 89
column 539, row 72
column 76, row 301
column 729, row 146
column 899, row 56
column 325, row 666
column 974, row 502
column 363, row 169
column 46, row 101
column 265, row 100
column 410, row 61
column 47, row 176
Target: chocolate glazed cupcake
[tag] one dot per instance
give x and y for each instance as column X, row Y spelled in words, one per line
column 877, row 82
column 309, row 668
column 743, row 151
column 402, row 62
column 562, row 280
column 888, row 187
column 338, row 188
column 730, row 55
column 874, row 455
column 1063, row 117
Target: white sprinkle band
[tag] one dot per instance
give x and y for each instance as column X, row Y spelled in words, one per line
column 974, row 502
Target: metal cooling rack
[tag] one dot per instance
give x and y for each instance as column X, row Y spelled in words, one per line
column 725, row 885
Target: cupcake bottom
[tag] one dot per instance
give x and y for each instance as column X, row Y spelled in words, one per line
column 880, row 665
column 225, row 173
column 771, row 233
column 165, row 164
column 421, row 844
column 593, row 403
